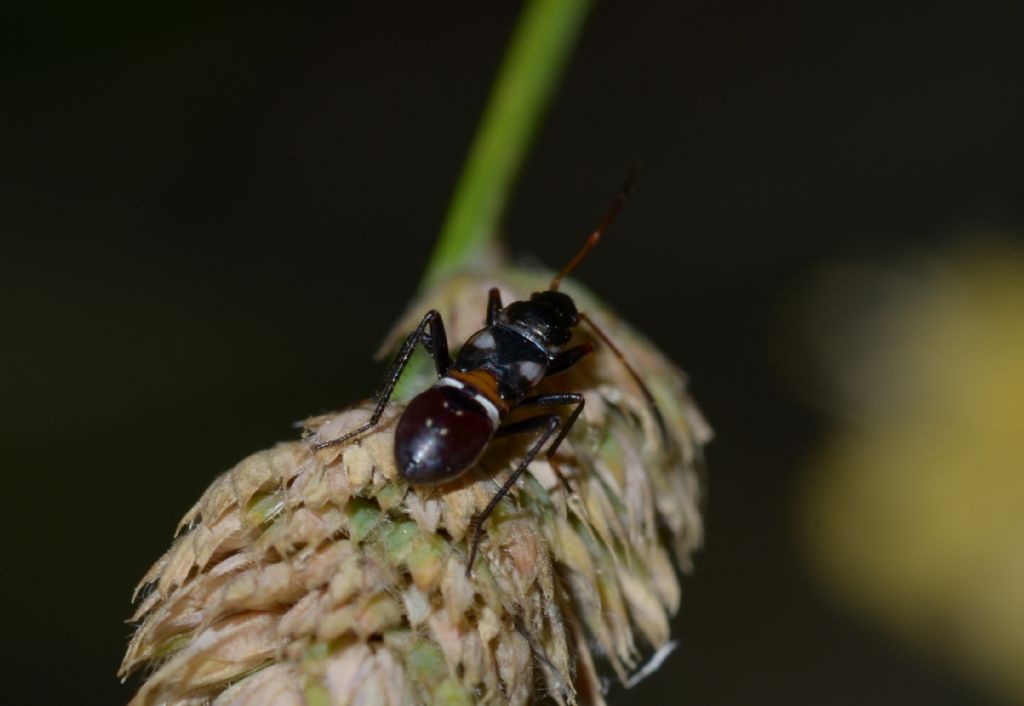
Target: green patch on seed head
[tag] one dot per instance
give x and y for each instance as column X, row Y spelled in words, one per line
column 401, row 540
column 426, row 664
column 610, row 451
column 452, row 693
column 316, row 652
column 316, row 695
column 426, row 561
column 535, row 499
column 432, row 548
column 262, row 508
column 172, row 644
column 364, row 516
column 390, row 496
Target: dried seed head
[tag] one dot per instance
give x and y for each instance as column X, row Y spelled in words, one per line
column 325, row 579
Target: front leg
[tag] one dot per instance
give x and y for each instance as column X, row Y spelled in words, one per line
column 568, row 358
column 436, row 343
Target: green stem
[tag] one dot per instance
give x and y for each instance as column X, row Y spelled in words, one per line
column 534, row 61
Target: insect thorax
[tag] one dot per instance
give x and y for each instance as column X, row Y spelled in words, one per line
column 517, row 363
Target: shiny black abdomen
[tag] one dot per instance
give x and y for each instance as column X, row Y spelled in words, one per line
column 440, row 435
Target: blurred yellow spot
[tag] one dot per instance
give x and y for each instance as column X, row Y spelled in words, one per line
column 914, row 513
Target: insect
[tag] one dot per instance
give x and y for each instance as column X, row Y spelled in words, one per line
column 445, row 430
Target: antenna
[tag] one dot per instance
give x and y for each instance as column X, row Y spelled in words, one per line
column 620, row 201
column 646, row 391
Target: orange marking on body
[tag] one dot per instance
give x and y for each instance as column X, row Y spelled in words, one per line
column 485, row 383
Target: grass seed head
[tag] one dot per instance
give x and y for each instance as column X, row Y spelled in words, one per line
column 322, row 580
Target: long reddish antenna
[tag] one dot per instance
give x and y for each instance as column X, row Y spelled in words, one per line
column 660, row 420
column 620, row 201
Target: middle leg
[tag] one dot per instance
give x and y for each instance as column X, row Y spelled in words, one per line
column 553, row 399
column 549, row 423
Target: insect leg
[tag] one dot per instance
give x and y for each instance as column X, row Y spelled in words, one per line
column 551, row 400
column 523, row 426
column 568, row 358
column 493, row 305
column 435, row 341
column 558, row 398
column 549, row 423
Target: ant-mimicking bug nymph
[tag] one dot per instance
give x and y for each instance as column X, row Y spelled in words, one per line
column 445, row 430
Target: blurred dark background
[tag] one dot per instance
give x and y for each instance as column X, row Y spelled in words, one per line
column 212, row 211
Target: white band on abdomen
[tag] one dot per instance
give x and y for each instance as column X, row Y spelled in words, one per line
column 492, row 411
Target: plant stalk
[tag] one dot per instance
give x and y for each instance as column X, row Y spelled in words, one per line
column 535, row 60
